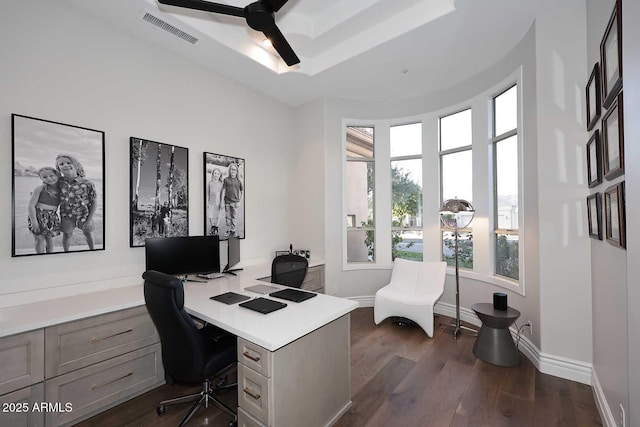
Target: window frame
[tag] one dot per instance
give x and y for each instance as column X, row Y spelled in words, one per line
column 494, row 140
column 401, row 158
column 355, row 265
column 441, row 154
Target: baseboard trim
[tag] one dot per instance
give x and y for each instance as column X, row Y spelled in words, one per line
column 608, row 419
column 546, row 363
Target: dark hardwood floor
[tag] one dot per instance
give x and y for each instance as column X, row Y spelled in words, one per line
column 400, row 377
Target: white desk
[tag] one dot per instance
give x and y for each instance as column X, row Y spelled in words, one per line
column 293, row 363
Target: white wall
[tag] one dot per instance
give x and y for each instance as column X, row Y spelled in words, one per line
column 306, row 202
column 558, row 294
column 608, row 263
column 61, row 65
column 631, row 76
column 565, row 291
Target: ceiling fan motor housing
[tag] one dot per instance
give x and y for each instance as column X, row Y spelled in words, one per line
column 259, row 17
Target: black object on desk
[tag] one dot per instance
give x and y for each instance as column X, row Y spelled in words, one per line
column 263, row 305
column 494, row 343
column 294, row 295
column 230, row 298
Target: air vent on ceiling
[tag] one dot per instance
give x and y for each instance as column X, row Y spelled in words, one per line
column 165, row 26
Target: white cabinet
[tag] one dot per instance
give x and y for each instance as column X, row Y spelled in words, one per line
column 78, row 369
column 282, row 388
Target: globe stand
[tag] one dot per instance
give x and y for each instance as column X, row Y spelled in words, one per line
column 455, row 206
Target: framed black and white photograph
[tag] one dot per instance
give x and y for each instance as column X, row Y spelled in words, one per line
column 159, row 183
column 611, row 56
column 224, row 196
column 594, row 214
column 57, row 187
column 613, row 140
column 614, row 208
column 594, row 160
column 593, row 97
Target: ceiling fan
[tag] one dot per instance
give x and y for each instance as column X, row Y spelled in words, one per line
column 259, row 16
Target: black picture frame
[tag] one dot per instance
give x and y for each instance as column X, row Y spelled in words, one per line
column 159, row 190
column 70, row 213
column 224, row 201
column 594, row 160
column 593, row 97
column 613, row 140
column 615, row 221
column 611, row 56
column 594, row 215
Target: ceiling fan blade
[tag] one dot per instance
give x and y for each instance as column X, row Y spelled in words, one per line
column 274, row 5
column 206, row 6
column 282, row 46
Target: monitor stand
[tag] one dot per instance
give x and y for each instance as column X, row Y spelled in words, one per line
column 232, row 270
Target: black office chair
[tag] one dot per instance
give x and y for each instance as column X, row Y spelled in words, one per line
column 289, row 270
column 189, row 355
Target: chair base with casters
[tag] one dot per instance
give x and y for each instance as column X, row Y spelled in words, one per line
column 412, row 292
column 206, row 396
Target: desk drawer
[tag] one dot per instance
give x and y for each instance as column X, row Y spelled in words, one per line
column 22, row 359
column 255, row 357
column 246, row 420
column 254, row 393
column 19, row 405
column 92, row 389
column 75, row 345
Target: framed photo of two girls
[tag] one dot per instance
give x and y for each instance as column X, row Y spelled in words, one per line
column 57, row 187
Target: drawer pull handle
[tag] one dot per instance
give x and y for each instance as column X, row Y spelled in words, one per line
column 248, row 391
column 95, row 340
column 95, row 387
column 254, row 358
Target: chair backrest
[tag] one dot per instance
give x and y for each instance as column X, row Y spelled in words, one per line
column 289, row 270
column 418, row 277
column 183, row 348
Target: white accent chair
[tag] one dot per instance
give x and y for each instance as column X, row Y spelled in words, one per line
column 414, row 289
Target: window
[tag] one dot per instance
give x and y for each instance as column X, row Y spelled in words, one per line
column 456, row 178
column 359, row 194
column 505, row 173
column 405, row 146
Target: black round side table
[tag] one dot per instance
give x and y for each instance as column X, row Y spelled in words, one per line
column 494, row 344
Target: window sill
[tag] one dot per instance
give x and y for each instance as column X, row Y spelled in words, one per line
column 517, row 287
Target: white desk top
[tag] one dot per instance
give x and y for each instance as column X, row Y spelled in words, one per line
column 270, row 331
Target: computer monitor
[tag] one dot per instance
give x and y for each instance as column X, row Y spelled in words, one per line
column 233, row 254
column 183, row 255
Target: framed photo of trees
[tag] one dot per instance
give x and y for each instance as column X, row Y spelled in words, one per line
column 159, row 196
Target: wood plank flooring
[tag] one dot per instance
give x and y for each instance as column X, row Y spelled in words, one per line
column 400, row 377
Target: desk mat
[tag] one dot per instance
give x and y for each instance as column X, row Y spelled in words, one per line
column 294, row 295
column 263, row 305
column 230, row 298
column 261, row 289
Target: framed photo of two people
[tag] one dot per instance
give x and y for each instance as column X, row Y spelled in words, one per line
column 224, row 207
column 57, row 187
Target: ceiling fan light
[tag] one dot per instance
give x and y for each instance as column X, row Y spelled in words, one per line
column 267, row 42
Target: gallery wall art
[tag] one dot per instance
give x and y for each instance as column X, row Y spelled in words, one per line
column 159, row 196
column 224, row 178
column 58, row 200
